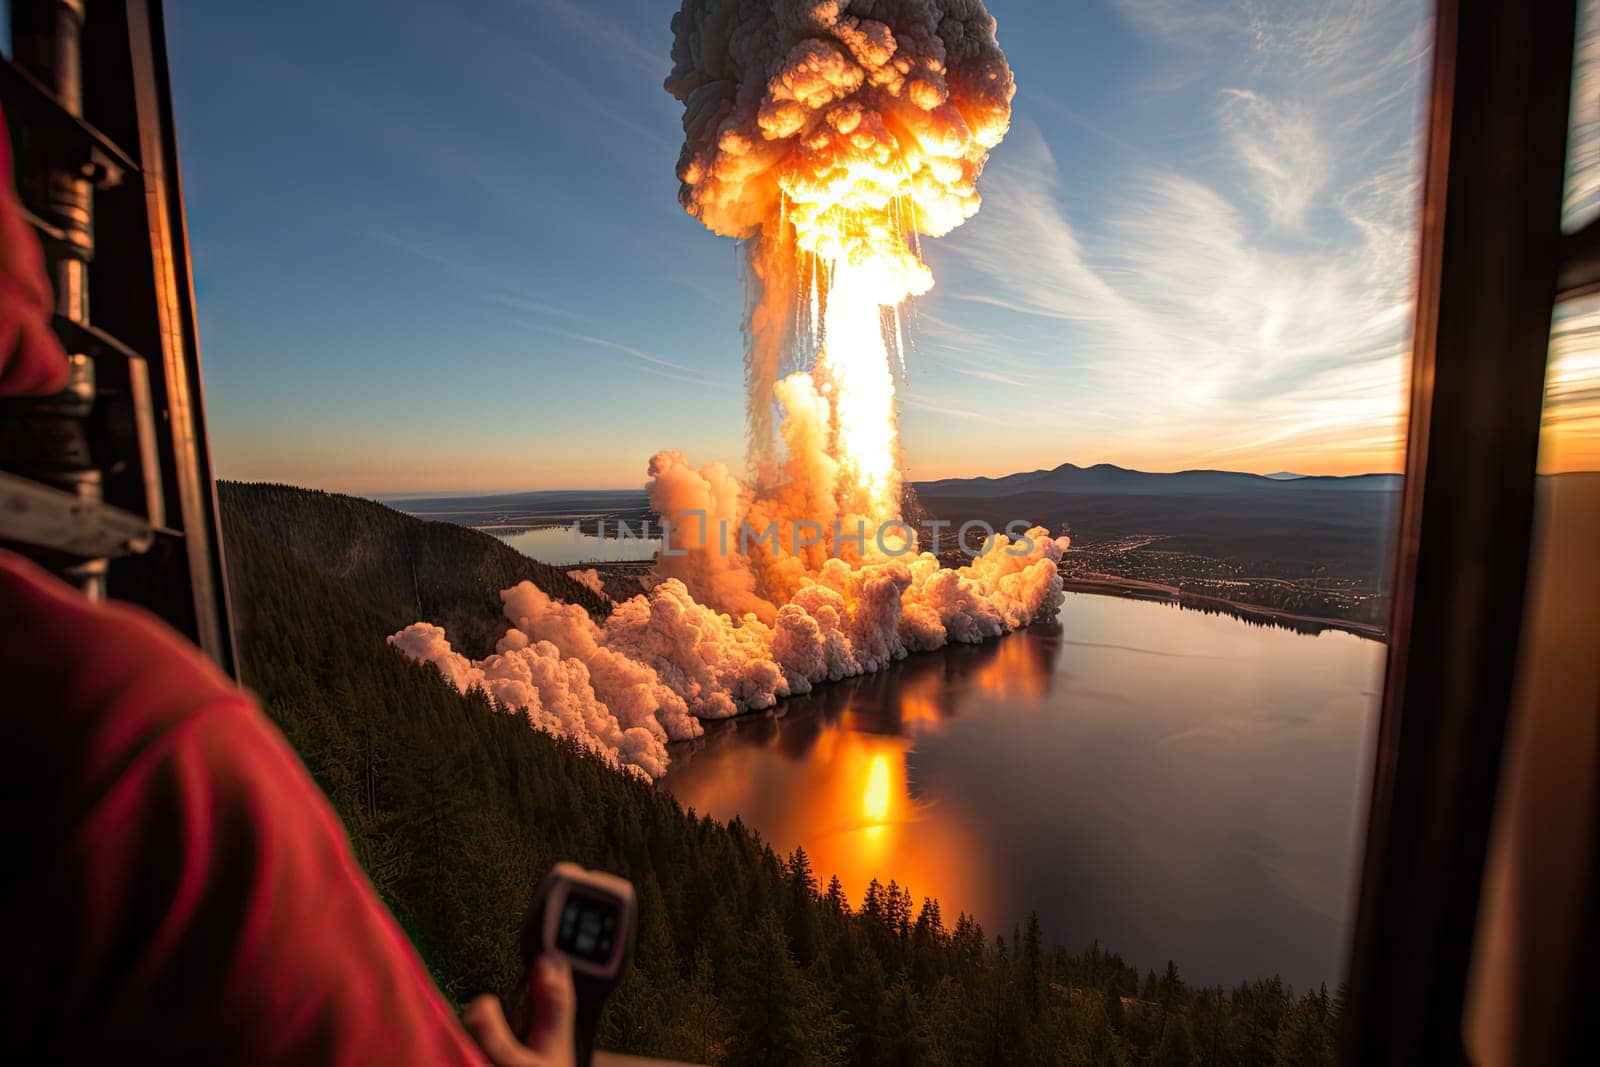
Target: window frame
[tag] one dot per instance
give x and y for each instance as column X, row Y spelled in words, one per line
column 1490, row 255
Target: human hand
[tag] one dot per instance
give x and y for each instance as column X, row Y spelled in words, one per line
column 549, row 1040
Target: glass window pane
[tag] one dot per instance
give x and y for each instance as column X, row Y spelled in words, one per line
column 1569, row 435
column 460, row 335
column 1537, row 889
column 1582, row 199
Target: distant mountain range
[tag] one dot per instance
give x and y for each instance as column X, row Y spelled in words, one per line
column 561, row 507
column 1290, row 524
column 1313, row 545
column 1105, row 478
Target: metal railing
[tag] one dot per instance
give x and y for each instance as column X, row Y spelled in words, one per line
column 108, row 483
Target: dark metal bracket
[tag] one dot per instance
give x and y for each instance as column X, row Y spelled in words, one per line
column 98, row 157
column 32, row 513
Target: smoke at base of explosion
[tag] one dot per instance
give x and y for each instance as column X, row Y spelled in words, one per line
column 664, row 660
column 887, row 540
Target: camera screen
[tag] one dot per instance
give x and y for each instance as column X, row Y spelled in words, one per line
column 588, row 928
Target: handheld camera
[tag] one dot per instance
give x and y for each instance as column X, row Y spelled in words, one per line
column 590, row 919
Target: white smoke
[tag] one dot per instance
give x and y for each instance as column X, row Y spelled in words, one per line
column 555, row 692
column 591, row 578
column 663, row 660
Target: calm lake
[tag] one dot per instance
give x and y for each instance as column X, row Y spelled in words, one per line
column 561, row 547
column 1175, row 784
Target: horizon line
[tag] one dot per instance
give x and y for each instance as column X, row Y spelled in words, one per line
column 398, row 495
column 1279, row 475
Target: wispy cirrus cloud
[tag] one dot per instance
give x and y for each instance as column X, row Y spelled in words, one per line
column 1255, row 305
column 536, row 315
column 1306, row 37
column 1570, row 435
column 1282, row 148
column 610, row 34
column 1583, row 142
column 917, row 403
column 644, row 360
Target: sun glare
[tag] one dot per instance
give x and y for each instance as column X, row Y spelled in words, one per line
column 875, row 799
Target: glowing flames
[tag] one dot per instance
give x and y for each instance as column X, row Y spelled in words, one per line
column 853, row 368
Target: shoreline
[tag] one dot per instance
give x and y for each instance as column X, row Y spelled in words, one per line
column 1102, row 585
column 1120, row 589
column 1128, row 589
column 771, row 723
column 1137, row 589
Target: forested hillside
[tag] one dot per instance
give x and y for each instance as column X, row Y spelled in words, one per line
column 409, row 568
column 457, row 807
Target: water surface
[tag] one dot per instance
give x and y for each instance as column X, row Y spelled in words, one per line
column 560, row 546
column 1176, row 784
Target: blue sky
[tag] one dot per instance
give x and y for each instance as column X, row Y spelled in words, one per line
column 437, row 246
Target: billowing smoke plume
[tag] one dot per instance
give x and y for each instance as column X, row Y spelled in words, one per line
column 663, row 660
column 591, row 578
column 802, row 112
column 830, row 134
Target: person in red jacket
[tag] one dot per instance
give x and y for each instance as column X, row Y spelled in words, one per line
column 178, row 888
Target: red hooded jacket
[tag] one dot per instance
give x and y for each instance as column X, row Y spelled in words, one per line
column 177, row 888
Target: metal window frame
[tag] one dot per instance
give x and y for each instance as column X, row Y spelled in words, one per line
column 93, row 89
column 168, row 227
column 1491, row 253
column 1492, row 264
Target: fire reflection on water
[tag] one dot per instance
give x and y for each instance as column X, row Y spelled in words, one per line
column 835, row 772
column 1176, row 784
